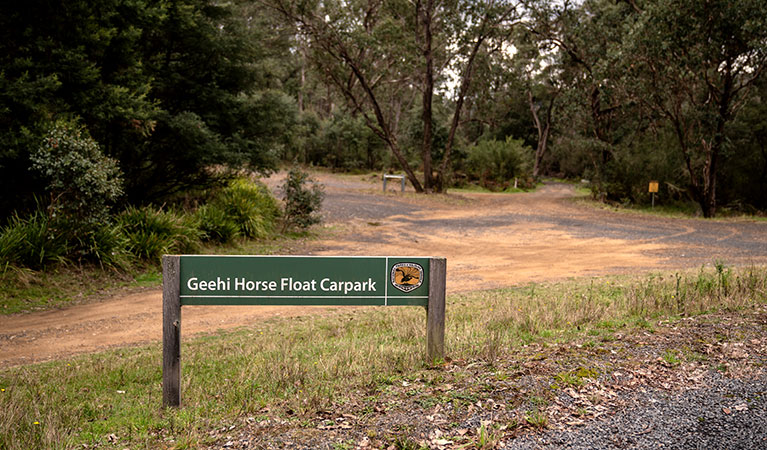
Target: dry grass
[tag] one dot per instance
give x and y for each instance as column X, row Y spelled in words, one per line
column 296, row 367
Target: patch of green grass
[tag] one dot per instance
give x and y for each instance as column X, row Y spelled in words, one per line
column 563, row 379
column 676, row 210
column 472, row 188
column 405, row 443
column 671, row 357
column 66, row 285
column 574, row 378
column 536, row 418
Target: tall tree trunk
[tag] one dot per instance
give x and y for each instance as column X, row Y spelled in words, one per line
column 302, row 78
column 544, row 130
column 425, row 16
column 462, row 92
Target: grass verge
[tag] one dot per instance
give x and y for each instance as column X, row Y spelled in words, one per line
column 677, row 210
column 292, row 370
column 24, row 290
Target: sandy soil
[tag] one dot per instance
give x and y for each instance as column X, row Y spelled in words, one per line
column 489, row 241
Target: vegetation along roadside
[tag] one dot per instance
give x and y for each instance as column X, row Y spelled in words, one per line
column 52, row 259
column 359, row 375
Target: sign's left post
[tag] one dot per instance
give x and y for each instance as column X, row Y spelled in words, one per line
column 171, row 331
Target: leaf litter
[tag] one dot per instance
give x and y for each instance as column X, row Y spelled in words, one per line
column 521, row 398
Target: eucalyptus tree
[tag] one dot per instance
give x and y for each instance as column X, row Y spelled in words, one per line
column 377, row 53
column 694, row 63
column 536, row 65
column 581, row 40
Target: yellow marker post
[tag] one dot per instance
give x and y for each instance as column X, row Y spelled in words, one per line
column 653, row 189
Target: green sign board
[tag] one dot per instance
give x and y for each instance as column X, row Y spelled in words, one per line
column 296, row 280
column 303, row 280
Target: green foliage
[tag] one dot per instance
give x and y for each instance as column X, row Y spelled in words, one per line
column 105, row 244
column 243, row 208
column 152, row 233
column 626, row 177
column 216, row 225
column 250, row 206
column 167, row 88
column 302, row 202
column 39, row 240
column 32, row 242
column 347, row 143
column 81, row 181
column 494, row 163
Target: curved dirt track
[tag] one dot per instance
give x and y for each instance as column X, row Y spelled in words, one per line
column 489, row 240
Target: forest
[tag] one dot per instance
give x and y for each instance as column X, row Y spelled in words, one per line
column 112, row 107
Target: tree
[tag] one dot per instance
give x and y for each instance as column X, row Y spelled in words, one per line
column 81, row 182
column 180, row 92
column 583, row 38
column 693, row 64
column 219, row 87
column 541, row 73
column 374, row 51
column 63, row 60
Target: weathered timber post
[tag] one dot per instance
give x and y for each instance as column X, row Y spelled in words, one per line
column 171, row 331
column 435, row 310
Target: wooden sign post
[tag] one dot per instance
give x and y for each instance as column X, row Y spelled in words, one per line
column 297, row 280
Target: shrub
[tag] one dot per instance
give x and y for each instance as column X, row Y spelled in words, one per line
column 302, row 202
column 82, row 182
column 39, row 240
column 493, row 163
column 31, row 242
column 105, row 244
column 216, row 225
column 249, row 205
column 153, row 232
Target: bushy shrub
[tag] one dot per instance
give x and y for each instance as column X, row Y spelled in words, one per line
column 250, row 205
column 105, row 244
column 32, row 242
column 152, row 233
column 216, row 225
column 39, row 240
column 494, row 163
column 303, row 200
column 82, row 182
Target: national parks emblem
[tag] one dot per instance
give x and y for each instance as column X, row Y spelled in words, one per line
column 406, row 276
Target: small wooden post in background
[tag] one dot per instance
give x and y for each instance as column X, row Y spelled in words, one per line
column 435, row 310
column 171, row 331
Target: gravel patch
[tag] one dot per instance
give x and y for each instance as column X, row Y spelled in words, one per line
column 725, row 414
column 742, row 242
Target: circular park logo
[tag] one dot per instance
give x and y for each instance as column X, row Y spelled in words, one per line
column 406, row 276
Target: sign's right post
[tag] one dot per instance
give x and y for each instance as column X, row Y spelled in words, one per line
column 435, row 310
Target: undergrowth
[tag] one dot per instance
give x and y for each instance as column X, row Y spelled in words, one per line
column 40, row 252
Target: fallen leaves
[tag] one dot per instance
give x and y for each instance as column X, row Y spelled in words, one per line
column 471, row 404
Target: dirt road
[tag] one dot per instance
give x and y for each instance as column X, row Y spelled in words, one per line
column 489, row 240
